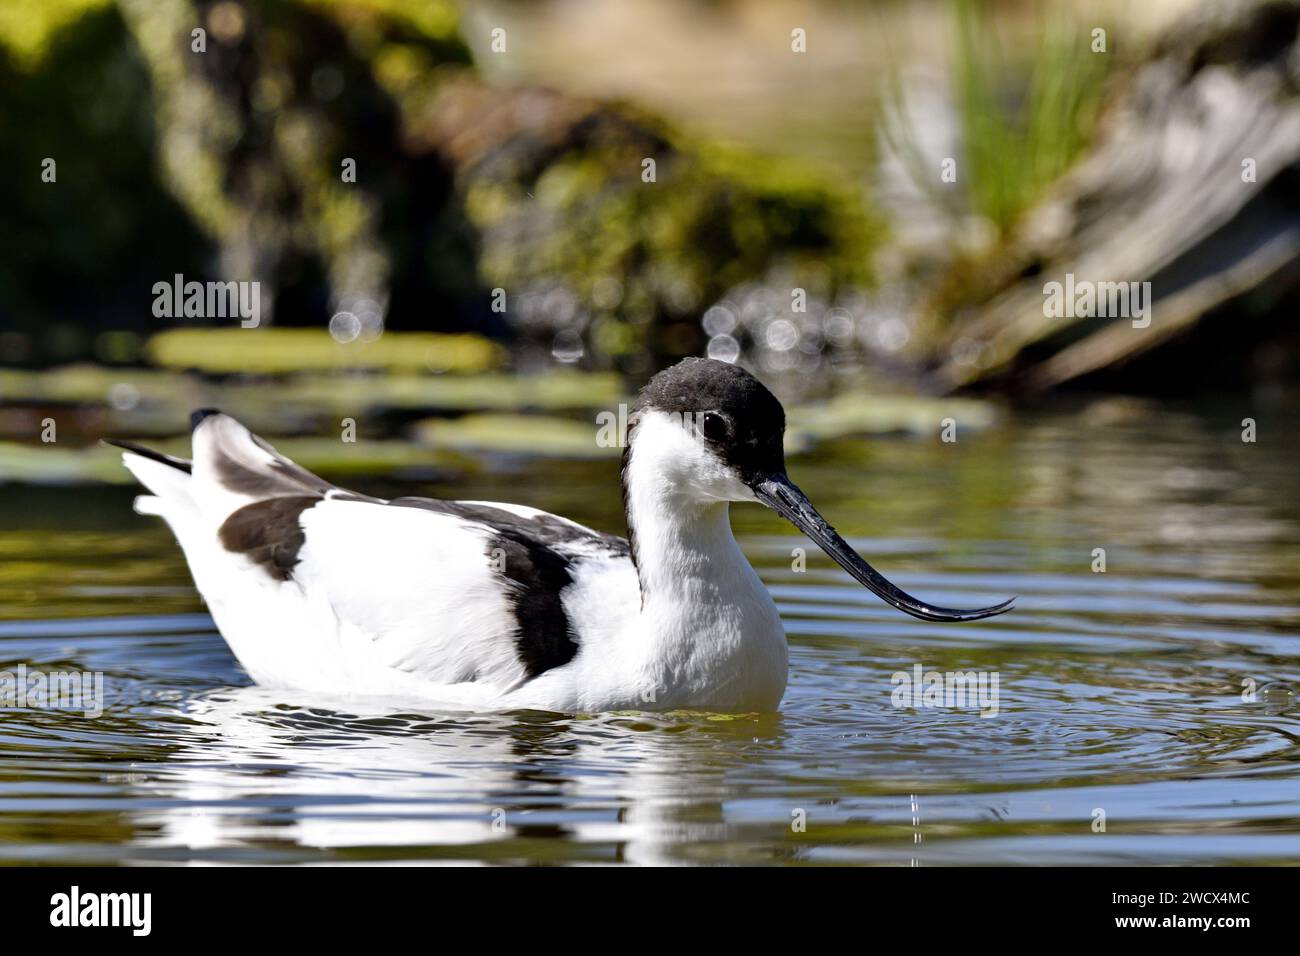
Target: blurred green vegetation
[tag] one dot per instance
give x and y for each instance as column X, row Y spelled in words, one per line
column 1016, row 143
column 226, row 164
column 28, row 26
column 77, row 256
column 668, row 249
column 496, row 231
column 1026, row 107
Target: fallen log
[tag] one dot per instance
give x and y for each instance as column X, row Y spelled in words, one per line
column 1191, row 186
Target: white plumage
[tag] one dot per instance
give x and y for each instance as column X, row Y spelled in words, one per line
column 482, row 605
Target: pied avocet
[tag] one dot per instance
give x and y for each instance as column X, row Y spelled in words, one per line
column 483, row 605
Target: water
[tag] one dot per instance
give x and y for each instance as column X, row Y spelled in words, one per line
column 1119, row 693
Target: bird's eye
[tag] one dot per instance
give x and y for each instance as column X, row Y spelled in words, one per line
column 713, row 426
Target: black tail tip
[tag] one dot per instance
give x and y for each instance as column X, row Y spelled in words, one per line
column 197, row 416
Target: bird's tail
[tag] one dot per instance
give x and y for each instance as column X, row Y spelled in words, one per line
column 167, row 477
column 231, row 468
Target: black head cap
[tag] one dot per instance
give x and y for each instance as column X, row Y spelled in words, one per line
column 198, row 416
column 733, row 411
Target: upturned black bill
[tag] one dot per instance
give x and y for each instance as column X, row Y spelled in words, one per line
column 784, row 497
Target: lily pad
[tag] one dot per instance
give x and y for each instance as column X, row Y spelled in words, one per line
column 517, row 434
column 858, row 413
column 272, row 350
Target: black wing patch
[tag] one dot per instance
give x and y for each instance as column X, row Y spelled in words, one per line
column 530, row 552
column 544, row 638
column 269, row 533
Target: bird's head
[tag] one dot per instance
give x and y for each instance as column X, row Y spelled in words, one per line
column 713, row 433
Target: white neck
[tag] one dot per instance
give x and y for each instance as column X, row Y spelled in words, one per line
column 709, row 629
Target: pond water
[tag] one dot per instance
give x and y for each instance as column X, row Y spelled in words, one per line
column 1156, row 698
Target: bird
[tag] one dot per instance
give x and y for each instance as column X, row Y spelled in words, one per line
column 491, row 606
